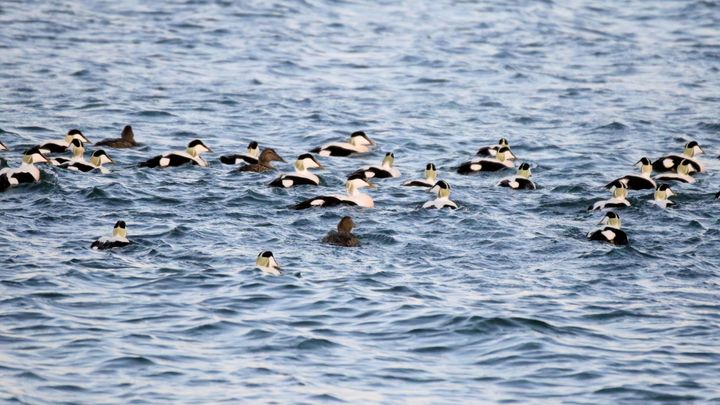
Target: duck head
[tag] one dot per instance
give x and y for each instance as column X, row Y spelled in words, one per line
column 75, row 134
column 360, row 138
column 611, row 219
column 196, row 147
column 99, row 157
column 120, row 230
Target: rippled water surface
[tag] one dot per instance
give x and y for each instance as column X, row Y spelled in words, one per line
column 502, row 300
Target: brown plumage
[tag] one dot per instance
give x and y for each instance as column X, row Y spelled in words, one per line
column 267, row 156
column 126, row 140
column 343, row 236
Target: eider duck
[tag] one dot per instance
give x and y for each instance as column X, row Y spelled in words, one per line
column 118, row 238
column 78, row 151
column 638, row 182
column 250, row 156
column 62, row 145
column 353, row 197
column 500, row 162
column 385, row 170
column 343, row 236
column 302, row 175
column 97, row 159
column 662, row 192
column 126, row 140
column 264, row 164
column 359, row 143
column 172, row 159
column 521, row 181
column 611, row 232
column 618, row 200
column 682, row 175
column 491, row 151
column 26, row 173
column 266, row 263
column 443, row 196
column 429, row 180
column 671, row 162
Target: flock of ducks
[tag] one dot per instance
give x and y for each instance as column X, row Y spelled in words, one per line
column 671, row 168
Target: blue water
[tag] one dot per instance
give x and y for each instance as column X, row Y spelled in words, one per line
column 502, row 300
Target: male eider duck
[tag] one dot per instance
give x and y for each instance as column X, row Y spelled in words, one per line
column 611, row 232
column 491, row 151
column 635, row 181
column 662, row 192
column 172, row 159
column 250, row 156
column 343, row 236
column 682, row 175
column 302, row 175
column 126, row 140
column 266, row 263
column 62, row 145
column 521, row 181
column 118, row 238
column 618, row 200
column 26, row 173
column 671, row 162
column 353, row 197
column 429, row 180
column 359, row 143
column 97, row 159
column 500, row 162
column 264, row 164
column 385, row 170
column 443, row 196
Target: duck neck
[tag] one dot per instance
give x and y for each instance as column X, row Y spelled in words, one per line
column 192, row 152
column 300, row 167
column 646, row 170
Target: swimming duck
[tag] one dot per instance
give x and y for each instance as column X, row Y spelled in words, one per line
column 302, row 175
column 266, row 263
column 662, row 192
column 500, row 162
column 264, row 164
column 671, row 162
column 682, row 175
column 638, row 182
column 96, row 163
column 619, row 198
column 78, row 150
column 353, row 197
column 491, row 151
column 26, row 173
column 383, row 171
column 343, row 236
column 521, row 181
column 62, row 145
column 126, row 140
column 359, row 143
column 172, row 159
column 118, row 238
column 611, row 232
column 443, row 196
column 250, row 156
column 429, row 180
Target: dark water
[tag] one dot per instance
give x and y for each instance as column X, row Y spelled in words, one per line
column 500, row 301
